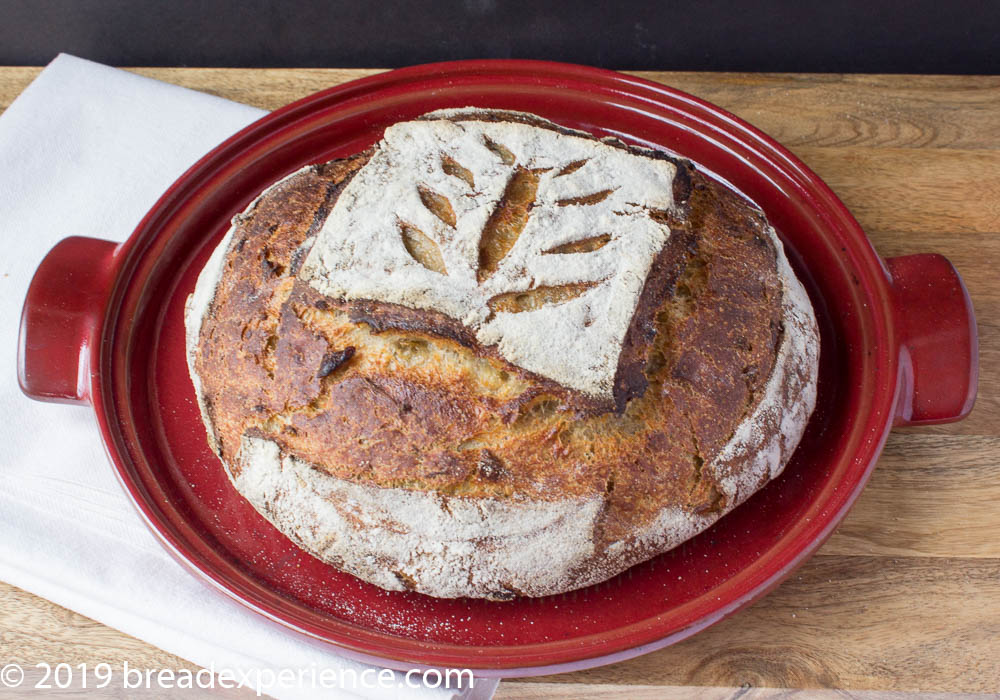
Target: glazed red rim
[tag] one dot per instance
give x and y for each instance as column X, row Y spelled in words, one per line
column 231, row 154
column 139, row 387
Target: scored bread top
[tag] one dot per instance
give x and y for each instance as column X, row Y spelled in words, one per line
column 441, row 181
column 318, row 397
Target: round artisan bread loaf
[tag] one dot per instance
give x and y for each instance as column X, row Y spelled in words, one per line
column 495, row 357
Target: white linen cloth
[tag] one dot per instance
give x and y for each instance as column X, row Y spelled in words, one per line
column 86, row 150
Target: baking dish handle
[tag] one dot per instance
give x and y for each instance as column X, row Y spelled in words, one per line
column 939, row 349
column 60, row 319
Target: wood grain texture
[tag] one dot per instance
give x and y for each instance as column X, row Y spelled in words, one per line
column 527, row 690
column 33, row 629
column 905, row 596
column 849, row 622
column 922, row 499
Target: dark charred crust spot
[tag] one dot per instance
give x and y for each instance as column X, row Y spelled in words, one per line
column 504, row 594
column 273, row 268
column 682, row 183
column 333, row 360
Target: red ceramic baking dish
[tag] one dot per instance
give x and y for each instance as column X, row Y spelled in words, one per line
column 103, row 325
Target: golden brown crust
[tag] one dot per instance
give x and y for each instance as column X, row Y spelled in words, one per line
column 365, row 401
column 278, row 360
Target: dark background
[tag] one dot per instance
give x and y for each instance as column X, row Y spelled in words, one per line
column 922, row 36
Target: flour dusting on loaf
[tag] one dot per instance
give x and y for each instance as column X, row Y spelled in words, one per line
column 494, row 357
column 427, row 539
column 360, row 251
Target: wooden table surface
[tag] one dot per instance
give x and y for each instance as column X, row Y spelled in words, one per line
column 906, row 594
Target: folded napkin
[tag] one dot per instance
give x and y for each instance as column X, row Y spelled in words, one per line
column 86, row 150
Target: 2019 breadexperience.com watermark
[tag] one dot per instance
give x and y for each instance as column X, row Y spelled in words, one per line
column 50, row 678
